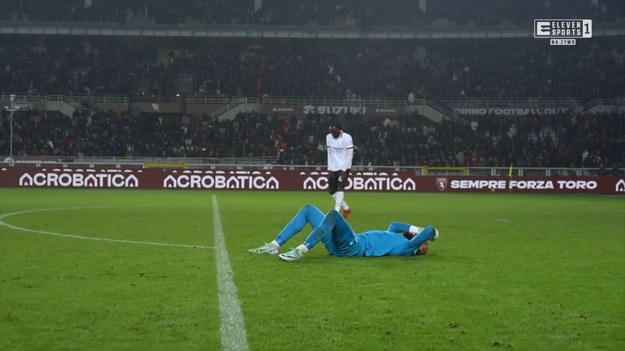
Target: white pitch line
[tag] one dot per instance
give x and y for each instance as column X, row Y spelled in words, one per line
column 80, row 237
column 233, row 335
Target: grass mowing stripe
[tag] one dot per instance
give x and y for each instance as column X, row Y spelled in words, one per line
column 80, row 237
column 233, row 335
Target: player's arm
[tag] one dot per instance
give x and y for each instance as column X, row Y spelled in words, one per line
column 350, row 152
column 418, row 243
column 398, row 227
column 328, row 151
column 417, row 247
column 409, row 231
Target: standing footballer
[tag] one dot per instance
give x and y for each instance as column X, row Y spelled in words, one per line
column 340, row 148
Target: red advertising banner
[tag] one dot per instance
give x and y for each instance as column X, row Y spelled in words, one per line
column 279, row 180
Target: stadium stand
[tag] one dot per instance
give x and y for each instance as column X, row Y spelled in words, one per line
column 435, row 69
column 589, row 141
column 304, row 12
column 172, row 69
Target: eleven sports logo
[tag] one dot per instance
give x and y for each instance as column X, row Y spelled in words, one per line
column 562, row 31
column 442, row 184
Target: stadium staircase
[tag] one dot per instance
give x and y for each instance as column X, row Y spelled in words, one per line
column 231, row 109
column 596, row 105
column 435, row 111
column 66, row 105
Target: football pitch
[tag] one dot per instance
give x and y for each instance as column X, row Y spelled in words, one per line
column 170, row 270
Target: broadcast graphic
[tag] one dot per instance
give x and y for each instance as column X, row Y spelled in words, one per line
column 563, row 31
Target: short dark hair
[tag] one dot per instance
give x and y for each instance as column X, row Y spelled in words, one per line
column 336, row 124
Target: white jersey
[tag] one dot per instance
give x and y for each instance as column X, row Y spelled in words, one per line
column 340, row 152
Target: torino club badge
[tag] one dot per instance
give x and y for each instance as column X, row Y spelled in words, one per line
column 441, row 183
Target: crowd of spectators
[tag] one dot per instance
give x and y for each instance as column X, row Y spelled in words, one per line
column 589, row 141
column 364, row 13
column 160, row 70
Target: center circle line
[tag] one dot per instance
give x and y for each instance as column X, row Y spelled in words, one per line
column 80, row 237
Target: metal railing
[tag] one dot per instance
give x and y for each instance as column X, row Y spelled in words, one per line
column 506, row 103
column 99, row 98
column 341, row 101
column 327, row 100
column 211, row 100
column 114, row 160
column 446, row 111
column 271, row 162
column 348, row 31
column 228, row 107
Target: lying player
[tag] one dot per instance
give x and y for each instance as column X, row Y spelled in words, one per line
column 337, row 236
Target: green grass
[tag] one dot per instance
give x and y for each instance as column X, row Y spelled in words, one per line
column 512, row 272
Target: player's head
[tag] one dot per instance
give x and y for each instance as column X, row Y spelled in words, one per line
column 423, row 249
column 335, row 129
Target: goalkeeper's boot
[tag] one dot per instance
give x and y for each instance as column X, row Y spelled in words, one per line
column 293, row 255
column 347, row 212
column 267, row 249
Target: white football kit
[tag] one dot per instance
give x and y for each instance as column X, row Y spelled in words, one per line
column 340, row 152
